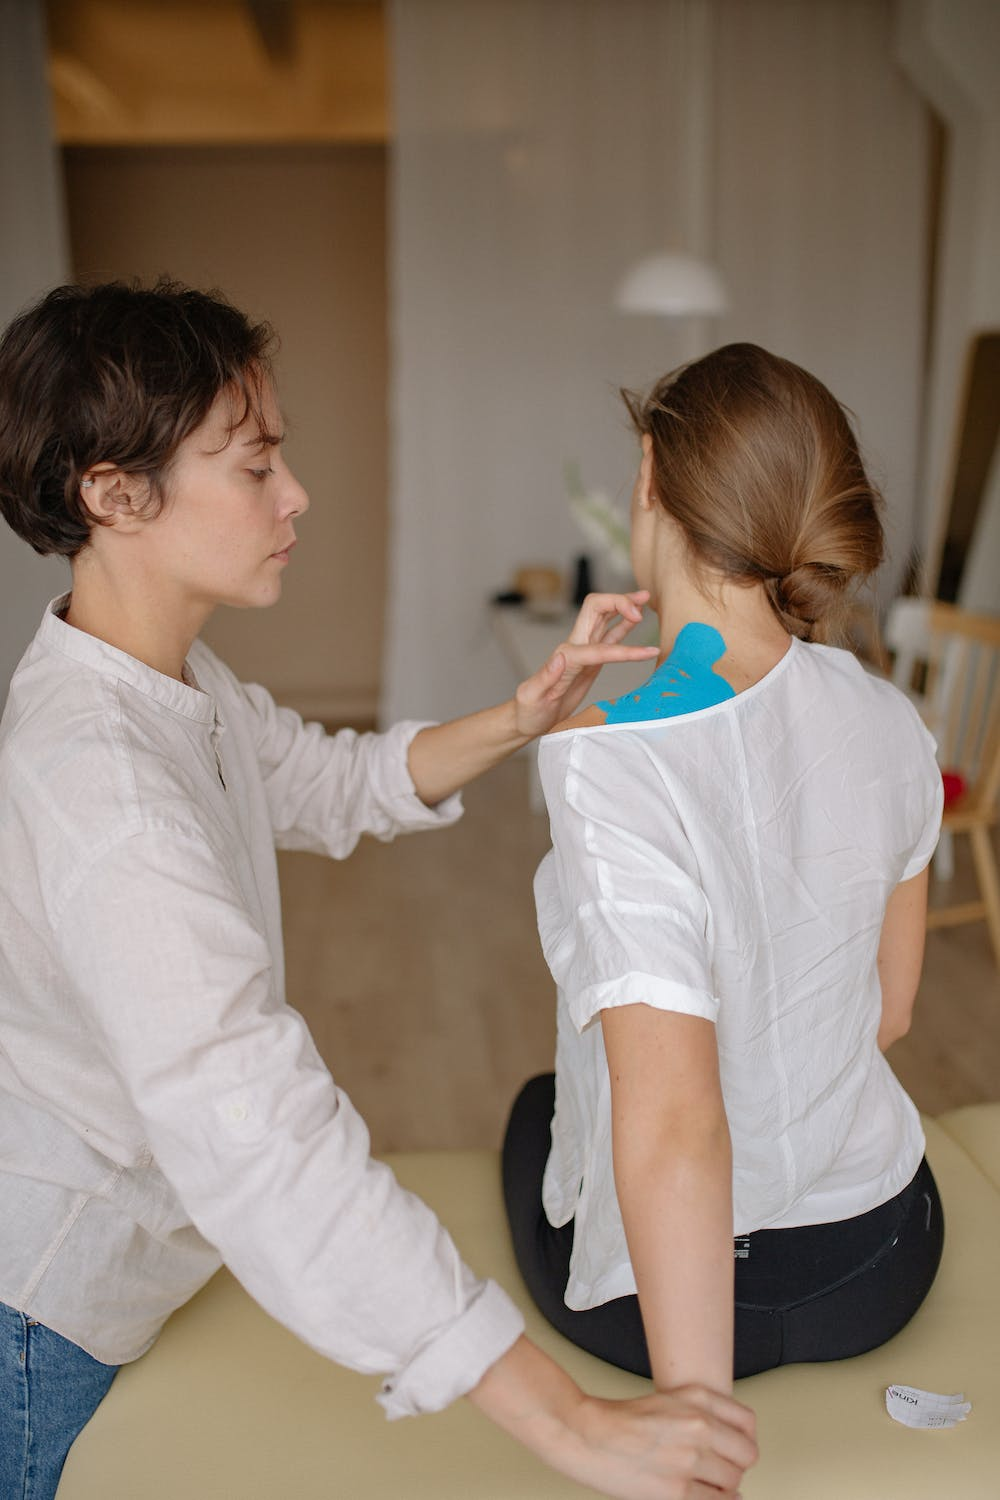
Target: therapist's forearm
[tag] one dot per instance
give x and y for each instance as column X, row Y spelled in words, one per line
column 445, row 757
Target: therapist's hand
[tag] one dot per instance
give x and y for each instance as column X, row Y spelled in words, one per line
column 558, row 688
column 444, row 757
column 686, row 1444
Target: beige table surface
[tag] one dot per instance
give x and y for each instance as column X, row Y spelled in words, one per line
column 229, row 1406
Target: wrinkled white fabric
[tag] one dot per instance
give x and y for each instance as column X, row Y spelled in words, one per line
column 735, row 864
column 162, row 1109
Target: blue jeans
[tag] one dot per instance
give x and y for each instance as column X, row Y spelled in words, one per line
column 49, row 1389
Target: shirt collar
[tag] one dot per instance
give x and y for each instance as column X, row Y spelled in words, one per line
column 55, row 635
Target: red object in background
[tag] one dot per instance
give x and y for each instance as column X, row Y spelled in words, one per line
column 954, row 787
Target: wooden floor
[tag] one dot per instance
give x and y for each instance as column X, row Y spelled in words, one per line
column 418, row 969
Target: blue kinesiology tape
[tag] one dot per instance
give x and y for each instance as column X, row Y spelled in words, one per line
column 683, row 683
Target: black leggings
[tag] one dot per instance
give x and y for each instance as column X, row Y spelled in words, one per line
column 825, row 1291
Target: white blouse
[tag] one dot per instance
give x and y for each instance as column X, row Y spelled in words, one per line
column 162, row 1108
column 735, row 864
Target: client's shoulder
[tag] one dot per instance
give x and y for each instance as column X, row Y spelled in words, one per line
column 587, row 718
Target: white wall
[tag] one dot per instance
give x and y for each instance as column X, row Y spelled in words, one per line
column 821, row 192
column 32, row 258
column 542, row 151
column 951, row 51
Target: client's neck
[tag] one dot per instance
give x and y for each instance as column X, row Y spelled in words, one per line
column 754, row 637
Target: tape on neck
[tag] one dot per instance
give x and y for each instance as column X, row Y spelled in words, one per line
column 683, row 684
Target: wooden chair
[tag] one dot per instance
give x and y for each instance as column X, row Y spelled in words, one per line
column 907, row 636
column 961, row 705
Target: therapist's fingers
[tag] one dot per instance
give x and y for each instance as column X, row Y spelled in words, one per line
column 607, row 610
column 570, row 670
column 618, row 630
column 598, row 612
column 577, row 658
column 726, row 1409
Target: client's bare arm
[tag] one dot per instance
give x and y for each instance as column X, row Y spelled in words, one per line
column 901, row 956
column 673, row 1175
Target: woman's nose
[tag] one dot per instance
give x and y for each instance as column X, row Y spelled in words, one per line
column 295, row 500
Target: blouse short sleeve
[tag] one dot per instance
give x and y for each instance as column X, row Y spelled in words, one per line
column 925, row 797
column 622, row 917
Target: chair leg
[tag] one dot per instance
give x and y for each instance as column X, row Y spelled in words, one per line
column 943, row 867
column 989, row 882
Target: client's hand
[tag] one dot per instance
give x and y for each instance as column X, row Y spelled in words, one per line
column 558, row 688
column 687, row 1444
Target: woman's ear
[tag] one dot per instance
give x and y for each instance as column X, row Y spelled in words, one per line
column 113, row 497
column 644, row 488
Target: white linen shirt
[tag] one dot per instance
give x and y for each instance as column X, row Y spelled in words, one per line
column 735, row 863
column 162, row 1109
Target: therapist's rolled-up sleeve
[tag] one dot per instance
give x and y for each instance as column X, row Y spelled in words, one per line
column 325, row 790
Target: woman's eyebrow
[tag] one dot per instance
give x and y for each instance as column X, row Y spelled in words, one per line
column 265, row 440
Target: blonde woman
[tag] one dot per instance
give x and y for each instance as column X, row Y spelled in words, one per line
column 724, row 1174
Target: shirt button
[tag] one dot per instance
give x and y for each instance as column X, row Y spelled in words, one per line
column 235, row 1112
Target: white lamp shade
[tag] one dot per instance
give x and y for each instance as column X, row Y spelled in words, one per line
column 675, row 286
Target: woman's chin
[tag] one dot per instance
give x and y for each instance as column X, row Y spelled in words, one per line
column 260, row 596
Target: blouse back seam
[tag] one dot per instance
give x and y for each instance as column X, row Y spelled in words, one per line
column 780, row 1065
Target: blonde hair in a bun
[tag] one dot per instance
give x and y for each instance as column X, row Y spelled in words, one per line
column 757, row 463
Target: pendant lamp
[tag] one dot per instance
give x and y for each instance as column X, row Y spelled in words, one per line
column 672, row 285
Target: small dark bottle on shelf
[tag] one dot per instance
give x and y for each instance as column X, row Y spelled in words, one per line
column 583, row 583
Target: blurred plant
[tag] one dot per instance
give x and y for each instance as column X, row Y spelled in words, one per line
column 602, row 522
column 606, row 527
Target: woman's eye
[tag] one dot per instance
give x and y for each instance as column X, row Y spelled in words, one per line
column 261, row 473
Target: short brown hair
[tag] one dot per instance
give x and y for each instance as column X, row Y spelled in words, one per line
column 116, row 373
column 757, row 463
